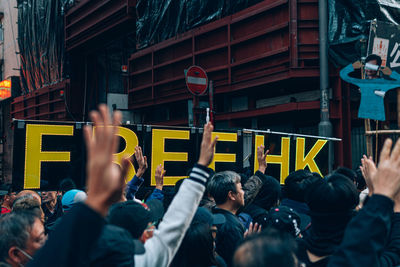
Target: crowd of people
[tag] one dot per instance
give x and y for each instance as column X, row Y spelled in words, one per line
column 348, row 218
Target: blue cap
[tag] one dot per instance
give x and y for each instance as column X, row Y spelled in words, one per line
column 72, row 197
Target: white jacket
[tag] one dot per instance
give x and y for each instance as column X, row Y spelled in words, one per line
column 162, row 247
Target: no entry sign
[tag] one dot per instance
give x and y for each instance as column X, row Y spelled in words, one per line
column 196, row 80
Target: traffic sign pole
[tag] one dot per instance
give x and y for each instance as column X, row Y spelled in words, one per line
column 197, row 84
column 195, row 105
column 211, row 101
column 196, row 80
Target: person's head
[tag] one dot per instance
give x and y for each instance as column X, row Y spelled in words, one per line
column 373, row 63
column 349, row 173
column 30, row 192
column 71, row 198
column 283, row 219
column 66, row 185
column 360, row 181
column 203, row 215
column 197, row 248
column 269, row 194
column 331, row 201
column 114, row 247
column 8, row 197
column 49, row 196
column 22, row 234
column 134, row 217
column 297, row 183
column 334, row 194
column 225, row 188
column 270, row 248
column 30, row 204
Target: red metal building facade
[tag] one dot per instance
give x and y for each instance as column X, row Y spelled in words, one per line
column 263, row 61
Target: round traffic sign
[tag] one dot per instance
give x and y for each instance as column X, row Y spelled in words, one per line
column 196, row 80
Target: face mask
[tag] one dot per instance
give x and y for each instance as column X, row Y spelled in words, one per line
column 25, row 254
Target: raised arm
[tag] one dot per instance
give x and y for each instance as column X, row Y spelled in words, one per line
column 255, row 182
column 395, row 75
column 368, row 170
column 367, row 234
column 164, row 244
column 80, row 228
column 391, row 254
column 344, row 73
column 137, row 180
column 159, row 177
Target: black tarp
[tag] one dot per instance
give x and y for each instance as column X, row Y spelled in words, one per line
column 349, row 22
column 41, row 42
column 158, row 20
column 384, row 41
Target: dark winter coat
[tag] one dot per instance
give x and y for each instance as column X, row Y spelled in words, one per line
column 229, row 235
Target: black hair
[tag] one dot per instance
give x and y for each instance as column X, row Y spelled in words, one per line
column 335, row 193
column 374, row 57
column 360, row 181
column 131, row 216
column 269, row 194
column 349, row 173
column 197, row 248
column 67, row 184
column 297, row 183
column 221, row 184
column 270, row 248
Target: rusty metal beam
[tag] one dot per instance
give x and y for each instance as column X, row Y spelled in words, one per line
column 268, row 110
column 89, row 19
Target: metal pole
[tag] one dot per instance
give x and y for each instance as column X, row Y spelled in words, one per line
column 367, row 123
column 211, row 101
column 325, row 126
column 195, row 106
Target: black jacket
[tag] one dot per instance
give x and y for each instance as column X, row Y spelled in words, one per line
column 302, row 256
column 258, row 214
column 72, row 240
column 115, row 247
column 229, row 235
column 370, row 238
column 50, row 218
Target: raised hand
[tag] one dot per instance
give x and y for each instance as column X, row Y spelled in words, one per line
column 386, row 180
column 105, row 180
column 368, row 170
column 141, row 160
column 261, row 158
column 253, row 229
column 357, row 65
column 387, row 71
column 159, row 177
column 207, row 148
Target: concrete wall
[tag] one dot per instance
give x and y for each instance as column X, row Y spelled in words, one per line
column 9, row 45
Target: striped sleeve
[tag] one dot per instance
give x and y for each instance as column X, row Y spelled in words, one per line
column 199, row 174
